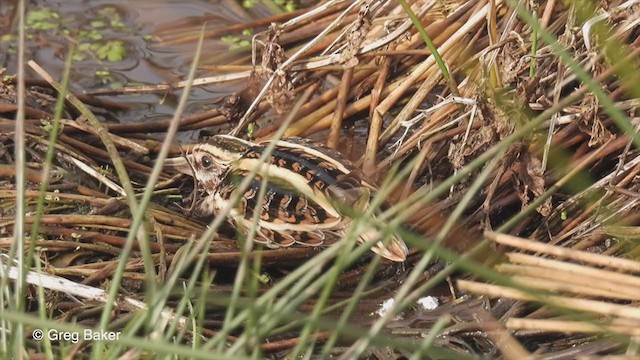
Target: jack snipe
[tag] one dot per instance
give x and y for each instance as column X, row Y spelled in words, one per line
column 305, row 183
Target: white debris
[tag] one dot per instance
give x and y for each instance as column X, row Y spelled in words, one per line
column 385, row 307
column 428, row 302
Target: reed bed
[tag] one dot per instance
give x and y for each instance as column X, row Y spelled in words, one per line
column 504, row 136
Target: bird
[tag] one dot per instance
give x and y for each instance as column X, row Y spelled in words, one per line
column 306, row 185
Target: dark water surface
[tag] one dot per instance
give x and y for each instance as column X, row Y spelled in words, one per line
column 146, row 28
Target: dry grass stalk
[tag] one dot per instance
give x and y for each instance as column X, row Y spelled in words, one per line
column 580, row 282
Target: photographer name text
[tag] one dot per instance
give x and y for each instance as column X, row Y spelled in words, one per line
column 75, row 336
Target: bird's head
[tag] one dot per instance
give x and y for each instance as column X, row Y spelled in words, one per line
column 209, row 161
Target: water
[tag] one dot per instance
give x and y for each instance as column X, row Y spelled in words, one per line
column 145, row 29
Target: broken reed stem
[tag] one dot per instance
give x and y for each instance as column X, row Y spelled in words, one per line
column 572, row 327
column 323, row 105
column 562, row 252
column 559, row 276
column 375, row 125
column 591, row 306
column 343, row 96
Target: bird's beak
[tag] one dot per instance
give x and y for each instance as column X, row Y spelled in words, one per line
column 180, row 164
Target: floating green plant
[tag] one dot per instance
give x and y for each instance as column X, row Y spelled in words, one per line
column 90, row 34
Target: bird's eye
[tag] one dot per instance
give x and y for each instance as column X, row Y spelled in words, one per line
column 207, row 162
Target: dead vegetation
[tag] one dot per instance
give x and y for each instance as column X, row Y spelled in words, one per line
column 535, row 138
